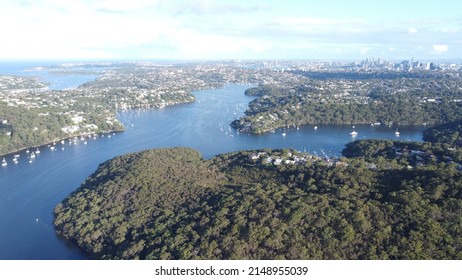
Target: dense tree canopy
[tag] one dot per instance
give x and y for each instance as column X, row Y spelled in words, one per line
column 449, row 133
column 356, row 100
column 267, row 204
column 30, row 127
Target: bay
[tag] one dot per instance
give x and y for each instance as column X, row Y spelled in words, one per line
column 56, row 80
column 30, row 191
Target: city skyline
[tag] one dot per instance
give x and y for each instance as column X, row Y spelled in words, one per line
column 205, row 29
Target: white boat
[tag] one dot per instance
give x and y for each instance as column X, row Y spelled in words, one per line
column 52, row 148
column 37, row 151
column 315, row 127
column 397, row 132
column 283, row 134
column 32, row 155
column 4, row 163
column 353, row 133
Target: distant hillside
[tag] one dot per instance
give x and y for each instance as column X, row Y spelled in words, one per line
column 449, row 133
column 353, row 99
column 266, row 204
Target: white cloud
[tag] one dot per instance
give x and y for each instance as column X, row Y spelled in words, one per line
column 364, row 51
column 440, row 48
column 290, row 21
column 212, row 7
column 208, row 28
column 449, row 30
column 122, row 5
column 192, row 44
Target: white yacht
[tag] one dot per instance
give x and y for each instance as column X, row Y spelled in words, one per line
column 353, row 133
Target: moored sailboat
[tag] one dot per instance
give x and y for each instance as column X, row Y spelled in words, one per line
column 353, row 133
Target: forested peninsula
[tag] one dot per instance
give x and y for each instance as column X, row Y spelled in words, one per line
column 383, row 200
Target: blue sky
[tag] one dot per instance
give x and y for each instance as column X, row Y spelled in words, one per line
column 250, row 29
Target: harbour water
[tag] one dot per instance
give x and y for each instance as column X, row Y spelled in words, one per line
column 30, row 191
column 55, row 79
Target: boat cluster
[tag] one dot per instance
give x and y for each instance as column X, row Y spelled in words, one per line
column 353, row 133
column 32, row 154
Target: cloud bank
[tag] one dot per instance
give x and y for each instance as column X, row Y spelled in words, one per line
column 206, row 29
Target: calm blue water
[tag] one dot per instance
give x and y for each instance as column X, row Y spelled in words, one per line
column 29, row 191
column 54, row 80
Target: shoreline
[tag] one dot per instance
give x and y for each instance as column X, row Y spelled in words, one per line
column 139, row 107
column 24, row 149
column 294, row 127
column 136, row 107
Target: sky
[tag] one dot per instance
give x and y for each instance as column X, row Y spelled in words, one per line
column 234, row 29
